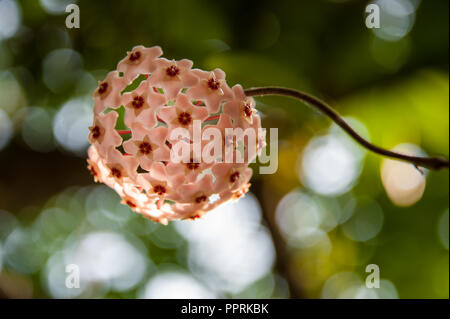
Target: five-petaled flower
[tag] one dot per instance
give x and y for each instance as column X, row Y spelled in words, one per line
column 172, row 76
column 182, row 113
column 141, row 105
column 120, row 166
column 107, row 93
column 148, row 146
column 229, row 176
column 211, row 88
column 103, row 133
column 140, row 60
column 161, row 183
column 241, row 108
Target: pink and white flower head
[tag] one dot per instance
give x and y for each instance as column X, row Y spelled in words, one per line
column 131, row 136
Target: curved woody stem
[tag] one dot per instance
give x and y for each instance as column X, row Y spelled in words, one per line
column 435, row 163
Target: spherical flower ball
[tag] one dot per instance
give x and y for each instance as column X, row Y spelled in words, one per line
column 174, row 142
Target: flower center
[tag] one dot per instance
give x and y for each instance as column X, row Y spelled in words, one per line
column 95, row 131
column 238, row 194
column 191, row 165
column 172, row 70
column 134, row 56
column 201, row 199
column 184, row 118
column 234, row 177
column 131, row 204
column 116, row 172
column 248, row 110
column 102, row 88
column 159, row 189
column 228, row 140
column 213, row 84
column 138, row 102
column 145, row 148
column 93, row 170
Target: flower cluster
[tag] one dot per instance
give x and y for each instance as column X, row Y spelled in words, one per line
column 137, row 162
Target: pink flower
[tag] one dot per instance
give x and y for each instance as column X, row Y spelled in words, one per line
column 251, row 153
column 160, row 183
column 107, row 94
column 230, row 176
column 191, row 167
column 234, row 195
column 182, row 113
column 197, row 193
column 141, row 105
column 172, row 76
column 193, row 211
column 135, row 199
column 141, row 167
column 242, row 112
column 148, row 146
column 94, row 165
column 139, row 60
column 103, row 133
column 122, row 168
column 241, row 108
column 211, row 88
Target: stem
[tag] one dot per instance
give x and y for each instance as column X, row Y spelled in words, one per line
column 435, row 163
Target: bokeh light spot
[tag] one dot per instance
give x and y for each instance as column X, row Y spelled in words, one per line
column 396, row 19
column 70, row 125
column 329, row 165
column 37, row 129
column 56, row 6
column 229, row 248
column 9, row 18
column 299, row 218
column 12, row 97
column 404, row 183
column 6, row 129
column 175, row 285
column 22, row 253
column 365, row 223
column 62, row 69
